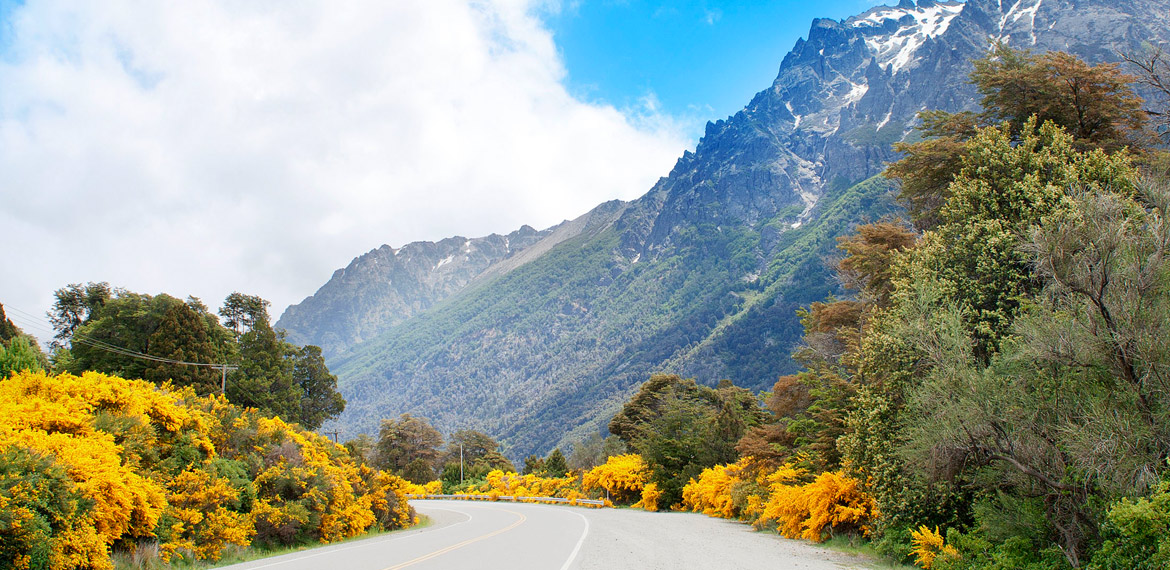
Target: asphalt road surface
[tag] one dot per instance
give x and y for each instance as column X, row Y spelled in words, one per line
column 511, row 536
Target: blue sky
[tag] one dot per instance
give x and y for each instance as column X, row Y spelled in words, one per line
column 700, row 59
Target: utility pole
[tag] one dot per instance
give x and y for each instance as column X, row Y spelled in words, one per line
column 223, row 368
column 461, row 464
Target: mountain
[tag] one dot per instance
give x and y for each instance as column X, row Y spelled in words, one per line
column 703, row 275
column 387, row 286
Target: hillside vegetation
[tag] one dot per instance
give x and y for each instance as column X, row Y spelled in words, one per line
column 612, row 323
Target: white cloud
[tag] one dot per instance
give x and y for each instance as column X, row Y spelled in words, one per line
column 196, row 148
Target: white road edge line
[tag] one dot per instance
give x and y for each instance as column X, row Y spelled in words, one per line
column 577, row 549
column 372, row 542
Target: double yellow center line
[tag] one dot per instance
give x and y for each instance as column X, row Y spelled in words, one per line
column 443, row 551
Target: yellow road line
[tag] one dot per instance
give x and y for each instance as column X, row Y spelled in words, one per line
column 443, row 551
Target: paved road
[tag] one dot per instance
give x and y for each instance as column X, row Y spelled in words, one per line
column 499, row 536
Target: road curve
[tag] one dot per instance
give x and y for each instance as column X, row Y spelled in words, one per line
column 510, row 536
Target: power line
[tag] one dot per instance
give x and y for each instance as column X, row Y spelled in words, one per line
column 101, row 345
column 90, row 341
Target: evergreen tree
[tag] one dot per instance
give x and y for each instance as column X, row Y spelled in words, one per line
column 8, row 330
column 555, row 464
column 264, row 378
column 20, row 354
column 316, row 386
column 183, row 335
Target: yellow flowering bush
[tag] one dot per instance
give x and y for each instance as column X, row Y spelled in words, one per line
column 44, row 521
column 928, row 546
column 387, row 498
column 711, row 494
column 307, row 487
column 55, row 417
column 650, row 495
column 94, row 462
column 509, row 484
column 831, row 502
column 432, row 488
column 198, row 518
column 800, row 508
column 622, row 476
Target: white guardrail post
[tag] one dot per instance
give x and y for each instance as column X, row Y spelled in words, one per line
column 511, row 498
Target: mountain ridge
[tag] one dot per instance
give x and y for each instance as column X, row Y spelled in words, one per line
column 703, row 273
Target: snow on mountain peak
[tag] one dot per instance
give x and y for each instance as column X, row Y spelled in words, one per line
column 915, row 26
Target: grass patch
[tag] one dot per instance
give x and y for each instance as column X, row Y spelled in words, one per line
column 861, row 548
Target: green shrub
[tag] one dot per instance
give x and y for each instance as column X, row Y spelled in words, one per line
column 1136, row 534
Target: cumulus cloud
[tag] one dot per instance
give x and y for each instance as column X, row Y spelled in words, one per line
column 197, row 148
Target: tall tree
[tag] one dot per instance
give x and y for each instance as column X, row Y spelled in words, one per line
column 406, row 440
column 242, row 313
column 680, row 427
column 264, row 378
column 184, row 335
column 74, row 305
column 1096, row 105
column 555, row 464
column 316, row 386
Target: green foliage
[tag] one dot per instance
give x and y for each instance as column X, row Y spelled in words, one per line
column 409, row 442
column 1004, row 186
column 20, row 353
column 38, row 503
column 1136, row 533
column 314, row 386
column 160, row 326
column 679, row 428
column 184, row 333
column 264, row 379
column 1068, row 407
column 131, row 334
column 719, row 294
column 555, row 464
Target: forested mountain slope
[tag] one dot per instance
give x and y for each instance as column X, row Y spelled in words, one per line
column 703, row 274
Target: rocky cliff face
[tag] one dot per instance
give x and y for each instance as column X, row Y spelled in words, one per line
column 386, row 286
column 854, row 87
column 703, row 274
